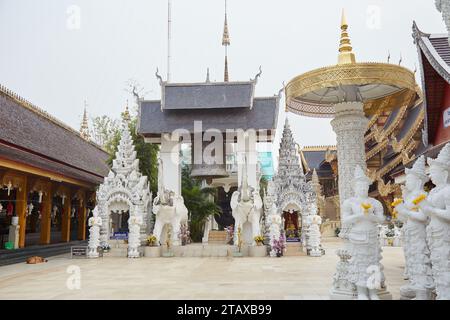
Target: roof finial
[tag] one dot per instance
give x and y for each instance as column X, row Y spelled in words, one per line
column 84, row 128
column 346, row 54
column 126, row 114
column 226, row 42
column 207, row 76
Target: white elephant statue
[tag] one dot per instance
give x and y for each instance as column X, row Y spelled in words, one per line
column 168, row 208
column 246, row 205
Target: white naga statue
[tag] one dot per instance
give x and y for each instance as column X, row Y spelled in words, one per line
column 417, row 254
column 168, row 208
column 95, row 222
column 437, row 206
column 314, row 235
column 362, row 215
column 246, row 205
column 134, row 241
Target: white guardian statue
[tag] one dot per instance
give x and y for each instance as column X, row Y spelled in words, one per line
column 437, row 206
column 362, row 215
column 246, row 205
column 95, row 222
column 417, row 254
column 314, row 235
column 169, row 209
column 134, row 242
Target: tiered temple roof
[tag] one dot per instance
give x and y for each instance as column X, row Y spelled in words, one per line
column 219, row 105
column 31, row 136
column 434, row 58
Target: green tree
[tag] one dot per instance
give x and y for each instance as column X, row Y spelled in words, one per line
column 199, row 202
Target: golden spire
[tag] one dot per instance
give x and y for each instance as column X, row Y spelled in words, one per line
column 346, row 54
column 126, row 114
column 84, row 128
column 226, row 42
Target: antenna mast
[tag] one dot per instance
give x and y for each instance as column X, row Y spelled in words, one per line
column 169, row 37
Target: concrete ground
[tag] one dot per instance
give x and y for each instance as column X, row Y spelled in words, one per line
column 185, row 278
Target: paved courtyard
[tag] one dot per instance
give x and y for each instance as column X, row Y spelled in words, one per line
column 185, row 278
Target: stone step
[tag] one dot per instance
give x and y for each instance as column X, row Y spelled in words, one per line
column 116, row 252
column 294, row 249
column 203, row 250
column 217, row 237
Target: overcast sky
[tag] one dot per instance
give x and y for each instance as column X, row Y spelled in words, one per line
column 56, row 58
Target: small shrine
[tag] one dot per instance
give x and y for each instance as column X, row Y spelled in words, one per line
column 292, row 195
column 124, row 198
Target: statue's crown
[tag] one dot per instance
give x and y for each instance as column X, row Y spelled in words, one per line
column 443, row 159
column 418, row 169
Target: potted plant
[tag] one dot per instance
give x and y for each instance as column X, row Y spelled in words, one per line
column 390, row 237
column 184, row 235
column 152, row 250
column 259, row 240
column 259, row 250
column 105, row 248
column 279, row 246
column 151, row 240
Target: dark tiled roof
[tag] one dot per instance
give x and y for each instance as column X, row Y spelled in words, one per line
column 391, row 118
column 43, row 163
column 316, row 160
column 409, row 121
column 434, row 57
column 33, row 132
column 153, row 121
column 207, row 95
column 440, row 44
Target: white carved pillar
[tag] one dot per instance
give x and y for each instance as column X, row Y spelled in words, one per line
column 246, row 149
column 170, row 156
column 350, row 125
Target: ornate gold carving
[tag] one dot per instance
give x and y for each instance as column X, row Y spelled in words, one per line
column 404, row 156
column 396, row 121
column 398, row 146
column 319, row 148
column 372, row 174
column 373, row 119
column 351, row 74
column 330, row 155
column 372, row 152
column 385, row 189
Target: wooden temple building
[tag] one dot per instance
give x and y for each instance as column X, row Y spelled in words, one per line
column 48, row 174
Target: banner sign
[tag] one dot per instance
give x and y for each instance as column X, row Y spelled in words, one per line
column 447, row 118
column 120, row 236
